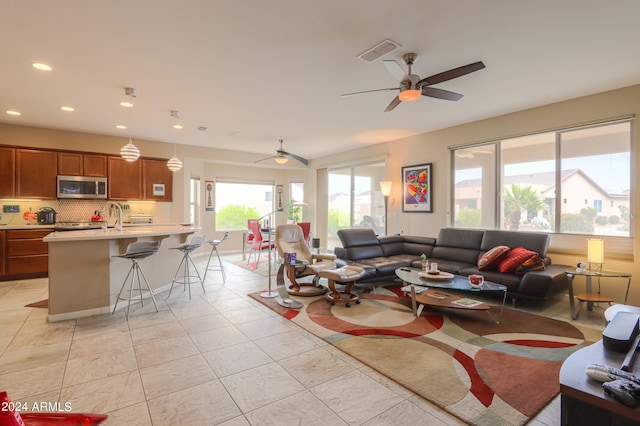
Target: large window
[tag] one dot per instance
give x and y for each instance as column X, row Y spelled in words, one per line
column 569, row 181
column 355, row 200
column 296, row 189
column 237, row 202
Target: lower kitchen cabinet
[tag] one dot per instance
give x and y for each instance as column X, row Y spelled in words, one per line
column 25, row 254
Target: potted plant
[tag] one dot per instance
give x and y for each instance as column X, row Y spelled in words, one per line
column 425, row 262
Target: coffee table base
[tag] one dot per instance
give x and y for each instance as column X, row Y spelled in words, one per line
column 419, row 301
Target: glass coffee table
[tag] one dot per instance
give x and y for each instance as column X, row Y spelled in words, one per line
column 426, row 290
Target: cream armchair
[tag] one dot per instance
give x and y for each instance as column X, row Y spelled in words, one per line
column 290, row 239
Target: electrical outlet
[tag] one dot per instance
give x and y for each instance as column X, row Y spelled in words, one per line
column 11, row 208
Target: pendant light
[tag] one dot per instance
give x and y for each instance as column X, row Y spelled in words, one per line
column 174, row 164
column 130, row 152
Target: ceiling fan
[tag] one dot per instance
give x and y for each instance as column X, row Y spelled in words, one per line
column 283, row 156
column 412, row 87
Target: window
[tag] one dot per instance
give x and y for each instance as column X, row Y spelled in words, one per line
column 296, row 191
column 194, row 201
column 355, row 200
column 568, row 181
column 237, row 202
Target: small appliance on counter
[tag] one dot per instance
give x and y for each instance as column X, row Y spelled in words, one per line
column 141, row 218
column 46, row 216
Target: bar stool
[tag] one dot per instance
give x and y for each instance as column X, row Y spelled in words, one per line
column 136, row 252
column 214, row 247
column 186, row 263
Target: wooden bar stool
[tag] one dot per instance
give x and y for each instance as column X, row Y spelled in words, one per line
column 186, row 264
column 136, row 252
column 214, row 248
column 347, row 275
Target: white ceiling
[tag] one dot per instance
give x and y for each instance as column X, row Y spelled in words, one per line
column 255, row 71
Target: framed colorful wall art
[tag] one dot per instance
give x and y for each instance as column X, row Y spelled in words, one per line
column 416, row 188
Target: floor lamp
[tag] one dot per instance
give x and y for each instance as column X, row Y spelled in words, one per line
column 271, row 293
column 385, row 188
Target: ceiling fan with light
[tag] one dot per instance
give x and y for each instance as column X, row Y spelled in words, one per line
column 471, row 153
column 283, row 156
column 412, row 87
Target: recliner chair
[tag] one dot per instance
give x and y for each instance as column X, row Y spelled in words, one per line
column 290, row 239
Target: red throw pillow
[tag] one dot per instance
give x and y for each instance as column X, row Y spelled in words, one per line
column 491, row 258
column 514, row 259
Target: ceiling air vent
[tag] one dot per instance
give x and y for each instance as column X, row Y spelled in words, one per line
column 202, row 128
column 378, row 51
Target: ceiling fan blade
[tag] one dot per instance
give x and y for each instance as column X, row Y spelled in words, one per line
column 394, row 103
column 370, row 91
column 433, row 92
column 264, row 159
column 451, row 74
column 297, row 157
column 395, row 69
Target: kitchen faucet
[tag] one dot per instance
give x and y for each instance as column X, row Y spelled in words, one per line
column 103, row 212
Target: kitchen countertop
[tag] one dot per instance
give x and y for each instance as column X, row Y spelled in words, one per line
column 113, row 233
column 25, row 226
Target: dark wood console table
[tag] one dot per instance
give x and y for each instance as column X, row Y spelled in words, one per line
column 583, row 400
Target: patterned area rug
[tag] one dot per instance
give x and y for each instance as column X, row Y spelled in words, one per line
column 482, row 372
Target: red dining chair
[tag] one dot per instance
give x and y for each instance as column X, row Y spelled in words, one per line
column 258, row 244
column 306, row 230
column 250, row 235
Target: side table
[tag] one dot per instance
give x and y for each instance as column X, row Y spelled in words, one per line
column 589, row 297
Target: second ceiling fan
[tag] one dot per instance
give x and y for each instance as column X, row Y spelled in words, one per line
column 412, row 86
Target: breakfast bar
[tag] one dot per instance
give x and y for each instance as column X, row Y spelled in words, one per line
column 85, row 277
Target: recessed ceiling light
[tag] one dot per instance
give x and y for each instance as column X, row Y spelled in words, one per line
column 126, row 104
column 121, row 126
column 40, row 66
column 177, row 126
column 67, row 108
column 11, row 112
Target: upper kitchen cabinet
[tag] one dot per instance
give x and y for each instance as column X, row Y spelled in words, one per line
column 36, row 173
column 157, row 180
column 124, row 179
column 79, row 164
column 7, row 172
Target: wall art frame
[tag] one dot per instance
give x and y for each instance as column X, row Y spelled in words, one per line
column 417, row 193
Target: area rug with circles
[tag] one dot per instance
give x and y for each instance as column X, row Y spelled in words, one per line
column 482, row 372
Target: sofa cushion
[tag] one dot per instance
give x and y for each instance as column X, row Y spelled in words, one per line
column 534, row 241
column 492, row 258
column 514, row 259
column 535, row 263
column 360, row 243
column 460, row 238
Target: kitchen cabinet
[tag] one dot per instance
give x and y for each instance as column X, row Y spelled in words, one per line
column 155, row 172
column 124, row 179
column 27, row 256
column 79, row 164
column 3, row 254
column 36, row 172
column 7, row 172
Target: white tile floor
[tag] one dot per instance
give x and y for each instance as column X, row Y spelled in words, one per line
column 220, row 358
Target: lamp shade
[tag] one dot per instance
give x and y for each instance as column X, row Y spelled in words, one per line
column 130, row 152
column 595, row 250
column 281, row 160
column 385, row 188
column 174, row 164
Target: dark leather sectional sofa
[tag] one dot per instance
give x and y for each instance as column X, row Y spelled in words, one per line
column 456, row 251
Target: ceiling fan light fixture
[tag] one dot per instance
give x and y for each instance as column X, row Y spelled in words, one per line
column 410, row 95
column 281, row 160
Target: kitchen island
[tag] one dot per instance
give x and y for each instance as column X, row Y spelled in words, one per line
column 85, row 277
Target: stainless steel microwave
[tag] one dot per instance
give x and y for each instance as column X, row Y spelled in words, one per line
column 82, row 187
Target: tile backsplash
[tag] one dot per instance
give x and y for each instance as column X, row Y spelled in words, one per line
column 82, row 210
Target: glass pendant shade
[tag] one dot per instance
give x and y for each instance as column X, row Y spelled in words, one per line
column 130, row 152
column 409, row 95
column 174, row 164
